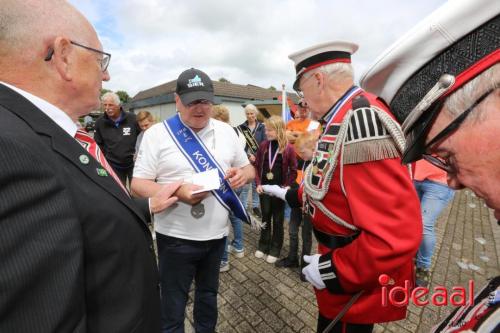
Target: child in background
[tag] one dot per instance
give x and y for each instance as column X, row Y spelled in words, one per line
column 305, row 144
column 275, row 164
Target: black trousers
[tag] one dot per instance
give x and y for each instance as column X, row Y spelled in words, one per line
column 297, row 219
column 181, row 261
column 341, row 327
column 271, row 238
column 123, row 174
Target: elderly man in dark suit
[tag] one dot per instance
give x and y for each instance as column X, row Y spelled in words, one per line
column 75, row 250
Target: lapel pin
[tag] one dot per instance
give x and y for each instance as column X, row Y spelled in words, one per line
column 102, row 172
column 84, row 159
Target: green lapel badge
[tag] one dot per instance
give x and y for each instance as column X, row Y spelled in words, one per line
column 102, row 172
column 84, row 159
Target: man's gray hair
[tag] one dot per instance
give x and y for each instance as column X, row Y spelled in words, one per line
column 113, row 96
column 252, row 108
column 338, row 71
column 463, row 98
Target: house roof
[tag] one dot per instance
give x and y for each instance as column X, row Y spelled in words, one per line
column 222, row 89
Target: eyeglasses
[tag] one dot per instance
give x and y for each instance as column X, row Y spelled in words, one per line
column 441, row 163
column 299, row 91
column 105, row 60
column 200, row 101
column 445, row 164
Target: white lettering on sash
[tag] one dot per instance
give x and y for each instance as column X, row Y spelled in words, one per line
column 223, row 187
column 202, row 160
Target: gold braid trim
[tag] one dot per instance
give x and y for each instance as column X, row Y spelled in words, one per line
column 369, row 150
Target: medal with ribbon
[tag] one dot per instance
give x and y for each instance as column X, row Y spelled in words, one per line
column 270, row 175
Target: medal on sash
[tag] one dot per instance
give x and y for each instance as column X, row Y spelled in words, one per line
column 270, row 175
column 198, row 210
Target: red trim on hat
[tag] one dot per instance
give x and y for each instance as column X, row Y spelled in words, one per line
column 323, row 63
column 474, row 70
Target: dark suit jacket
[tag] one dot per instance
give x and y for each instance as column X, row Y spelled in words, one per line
column 76, row 254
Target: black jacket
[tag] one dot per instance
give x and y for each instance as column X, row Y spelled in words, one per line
column 76, row 254
column 117, row 142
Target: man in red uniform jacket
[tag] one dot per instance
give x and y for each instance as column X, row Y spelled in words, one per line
column 364, row 208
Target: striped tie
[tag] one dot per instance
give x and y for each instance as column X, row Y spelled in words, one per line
column 89, row 144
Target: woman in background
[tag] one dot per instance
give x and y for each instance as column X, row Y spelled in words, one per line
column 256, row 128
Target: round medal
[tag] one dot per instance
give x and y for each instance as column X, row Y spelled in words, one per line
column 269, row 176
column 198, row 210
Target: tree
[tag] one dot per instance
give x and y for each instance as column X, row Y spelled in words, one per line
column 124, row 97
column 273, row 88
column 222, row 79
column 103, row 91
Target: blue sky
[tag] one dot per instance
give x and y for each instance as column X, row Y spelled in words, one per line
column 246, row 42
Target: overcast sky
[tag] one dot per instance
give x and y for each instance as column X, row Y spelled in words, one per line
column 246, row 42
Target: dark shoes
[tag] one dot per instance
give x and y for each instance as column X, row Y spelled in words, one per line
column 256, row 212
column 302, row 265
column 423, row 277
column 291, row 263
column 287, row 263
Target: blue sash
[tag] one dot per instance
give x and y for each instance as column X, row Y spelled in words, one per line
column 201, row 160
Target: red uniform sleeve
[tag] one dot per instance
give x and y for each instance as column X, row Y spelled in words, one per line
column 385, row 207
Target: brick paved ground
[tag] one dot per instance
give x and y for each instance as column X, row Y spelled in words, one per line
column 257, row 297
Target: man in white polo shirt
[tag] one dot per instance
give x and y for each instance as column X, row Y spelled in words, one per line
column 190, row 235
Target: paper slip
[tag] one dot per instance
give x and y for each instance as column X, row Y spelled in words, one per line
column 312, row 126
column 208, row 179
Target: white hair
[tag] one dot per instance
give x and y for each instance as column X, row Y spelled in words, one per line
column 336, row 72
column 251, row 108
column 113, row 96
column 463, row 98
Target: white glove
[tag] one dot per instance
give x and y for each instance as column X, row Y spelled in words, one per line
column 311, row 271
column 275, row 191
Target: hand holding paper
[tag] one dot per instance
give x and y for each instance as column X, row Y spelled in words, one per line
column 207, row 180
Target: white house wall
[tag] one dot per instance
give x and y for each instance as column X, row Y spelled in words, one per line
column 160, row 112
column 236, row 113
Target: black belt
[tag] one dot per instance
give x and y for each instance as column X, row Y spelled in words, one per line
column 333, row 242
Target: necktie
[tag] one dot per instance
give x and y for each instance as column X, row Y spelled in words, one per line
column 89, row 144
